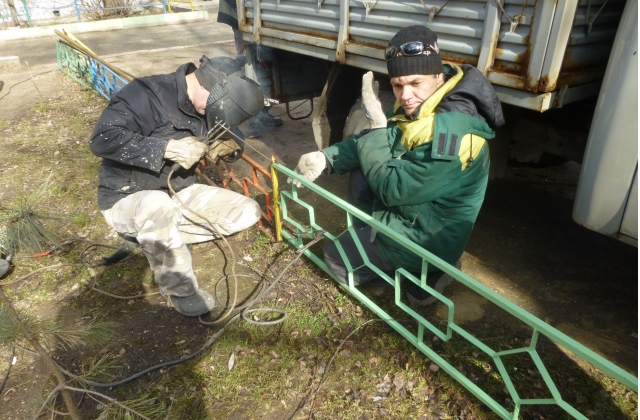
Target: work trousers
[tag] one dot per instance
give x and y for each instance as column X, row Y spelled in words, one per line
column 361, row 196
column 163, row 228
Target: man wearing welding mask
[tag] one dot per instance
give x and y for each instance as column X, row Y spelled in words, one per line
column 156, row 127
column 421, row 169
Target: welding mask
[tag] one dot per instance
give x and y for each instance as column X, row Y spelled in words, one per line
column 234, row 100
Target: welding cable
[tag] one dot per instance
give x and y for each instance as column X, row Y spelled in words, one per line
column 233, row 255
column 219, row 282
column 122, row 254
column 293, row 109
column 205, row 346
column 6, row 375
column 24, row 81
column 111, row 259
column 244, row 314
column 249, row 308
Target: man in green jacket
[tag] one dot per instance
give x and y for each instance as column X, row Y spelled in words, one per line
column 421, row 169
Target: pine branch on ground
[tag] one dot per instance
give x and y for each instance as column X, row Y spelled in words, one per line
column 21, row 227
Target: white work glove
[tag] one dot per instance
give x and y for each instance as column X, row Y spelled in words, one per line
column 185, row 152
column 225, row 148
column 370, row 102
column 310, row 166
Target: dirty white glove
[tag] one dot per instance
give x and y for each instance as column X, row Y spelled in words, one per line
column 225, row 148
column 310, row 166
column 370, row 102
column 185, row 152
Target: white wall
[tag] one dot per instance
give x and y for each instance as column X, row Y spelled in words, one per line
column 43, row 9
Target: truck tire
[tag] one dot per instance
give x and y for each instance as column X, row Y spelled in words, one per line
column 356, row 121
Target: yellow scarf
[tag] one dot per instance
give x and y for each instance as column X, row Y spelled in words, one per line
column 418, row 131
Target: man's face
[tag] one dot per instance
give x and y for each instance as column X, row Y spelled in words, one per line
column 199, row 100
column 411, row 91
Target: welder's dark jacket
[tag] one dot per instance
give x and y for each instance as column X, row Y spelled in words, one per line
column 132, row 134
column 228, row 13
column 429, row 192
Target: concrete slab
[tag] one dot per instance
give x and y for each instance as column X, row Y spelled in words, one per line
column 10, row 59
column 185, row 6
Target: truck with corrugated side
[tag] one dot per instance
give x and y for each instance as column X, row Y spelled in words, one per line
column 565, row 72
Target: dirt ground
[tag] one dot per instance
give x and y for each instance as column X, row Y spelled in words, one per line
column 525, row 246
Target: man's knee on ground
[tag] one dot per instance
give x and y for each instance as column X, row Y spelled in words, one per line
column 246, row 214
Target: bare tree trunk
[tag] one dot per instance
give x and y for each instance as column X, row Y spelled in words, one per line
column 111, row 3
column 14, row 12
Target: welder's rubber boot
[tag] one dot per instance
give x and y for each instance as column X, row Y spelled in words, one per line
column 420, row 297
column 129, row 244
column 196, row 304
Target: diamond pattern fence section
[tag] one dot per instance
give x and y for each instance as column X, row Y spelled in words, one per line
column 301, row 232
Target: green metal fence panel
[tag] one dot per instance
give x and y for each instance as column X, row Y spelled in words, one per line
column 417, row 339
column 20, row 12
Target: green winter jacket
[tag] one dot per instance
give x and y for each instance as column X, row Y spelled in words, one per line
column 430, row 194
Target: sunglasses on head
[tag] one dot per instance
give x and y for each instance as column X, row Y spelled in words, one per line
column 409, row 49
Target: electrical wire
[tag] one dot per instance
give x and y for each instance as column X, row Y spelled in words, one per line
column 243, row 311
column 242, row 314
column 6, row 375
column 292, row 109
column 217, row 231
column 24, row 81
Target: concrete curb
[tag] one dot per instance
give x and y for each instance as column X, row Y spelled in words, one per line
column 106, row 25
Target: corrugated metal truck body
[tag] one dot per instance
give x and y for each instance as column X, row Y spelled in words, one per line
column 552, row 56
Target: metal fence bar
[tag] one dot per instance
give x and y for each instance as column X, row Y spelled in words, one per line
column 417, row 339
column 25, row 12
column 247, row 183
column 88, row 71
column 79, row 10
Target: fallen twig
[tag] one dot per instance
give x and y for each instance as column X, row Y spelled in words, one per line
column 19, row 279
column 303, row 402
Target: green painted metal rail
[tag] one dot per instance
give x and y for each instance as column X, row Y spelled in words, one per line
column 9, row 14
column 539, row 327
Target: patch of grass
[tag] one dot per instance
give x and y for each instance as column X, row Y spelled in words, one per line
column 262, row 246
column 40, row 107
column 3, row 124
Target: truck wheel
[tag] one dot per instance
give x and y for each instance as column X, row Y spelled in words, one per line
column 356, row 121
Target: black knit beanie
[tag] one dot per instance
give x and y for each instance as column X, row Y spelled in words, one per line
column 207, row 74
column 418, row 64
